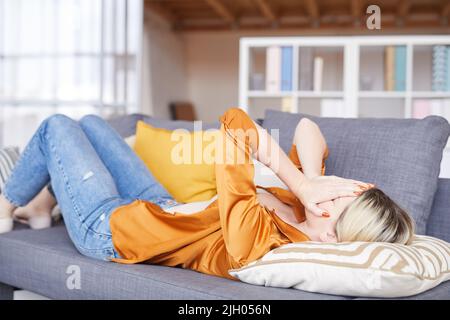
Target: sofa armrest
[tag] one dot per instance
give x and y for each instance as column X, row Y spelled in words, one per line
column 439, row 221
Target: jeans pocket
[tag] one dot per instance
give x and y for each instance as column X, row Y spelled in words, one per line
column 105, row 254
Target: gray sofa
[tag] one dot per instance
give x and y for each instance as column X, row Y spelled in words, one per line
column 42, row 261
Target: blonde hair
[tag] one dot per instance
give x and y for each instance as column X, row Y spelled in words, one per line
column 374, row 217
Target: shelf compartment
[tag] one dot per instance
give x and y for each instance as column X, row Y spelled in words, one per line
column 258, row 106
column 321, row 107
column 421, row 108
column 381, row 108
column 383, row 68
column 320, row 68
column 422, row 68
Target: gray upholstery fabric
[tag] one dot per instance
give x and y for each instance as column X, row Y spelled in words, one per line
column 439, row 221
column 126, row 125
column 441, row 292
column 6, row 292
column 172, row 125
column 38, row 260
column 401, row 156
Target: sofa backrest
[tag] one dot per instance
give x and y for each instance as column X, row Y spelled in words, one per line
column 401, row 156
column 126, row 125
column 438, row 224
column 439, row 221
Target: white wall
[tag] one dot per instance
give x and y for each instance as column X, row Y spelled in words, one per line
column 199, row 67
column 212, row 62
column 164, row 67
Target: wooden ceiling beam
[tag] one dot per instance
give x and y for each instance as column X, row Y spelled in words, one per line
column 403, row 8
column 160, row 10
column 446, row 10
column 266, row 10
column 356, row 9
column 221, row 10
column 313, row 11
column 312, row 8
column 388, row 28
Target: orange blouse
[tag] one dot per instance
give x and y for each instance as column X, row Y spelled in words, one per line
column 231, row 232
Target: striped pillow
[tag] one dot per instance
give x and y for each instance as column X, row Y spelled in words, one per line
column 369, row 269
column 8, row 159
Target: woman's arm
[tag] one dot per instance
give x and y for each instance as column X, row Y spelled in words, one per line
column 311, row 147
column 270, row 154
column 310, row 188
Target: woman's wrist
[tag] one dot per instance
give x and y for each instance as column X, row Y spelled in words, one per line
column 300, row 185
column 311, row 175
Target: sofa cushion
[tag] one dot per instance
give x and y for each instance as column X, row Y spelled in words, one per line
column 171, row 157
column 42, row 261
column 366, row 269
column 401, row 156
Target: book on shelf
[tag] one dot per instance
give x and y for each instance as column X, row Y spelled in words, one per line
column 332, row 108
column 439, row 68
column 395, row 68
column 389, row 67
column 421, row 108
column 427, row 107
column 306, row 69
column 447, row 80
column 286, row 68
column 287, row 104
column 400, row 68
column 273, row 69
column 318, row 73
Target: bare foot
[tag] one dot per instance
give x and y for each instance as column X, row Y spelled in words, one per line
column 35, row 217
column 37, row 213
column 6, row 211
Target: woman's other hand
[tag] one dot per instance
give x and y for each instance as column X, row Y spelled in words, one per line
column 312, row 191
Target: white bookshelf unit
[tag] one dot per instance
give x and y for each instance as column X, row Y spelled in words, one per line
column 353, row 76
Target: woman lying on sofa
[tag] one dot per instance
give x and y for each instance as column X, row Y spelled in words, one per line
column 113, row 208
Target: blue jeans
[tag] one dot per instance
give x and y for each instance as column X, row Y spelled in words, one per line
column 92, row 172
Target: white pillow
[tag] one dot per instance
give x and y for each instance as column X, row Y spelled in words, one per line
column 369, row 269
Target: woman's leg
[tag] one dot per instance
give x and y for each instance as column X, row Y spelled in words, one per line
column 133, row 179
column 83, row 186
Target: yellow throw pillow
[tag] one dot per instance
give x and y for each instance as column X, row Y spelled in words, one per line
column 177, row 161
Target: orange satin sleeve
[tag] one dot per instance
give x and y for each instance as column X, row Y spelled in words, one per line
column 247, row 226
column 293, row 156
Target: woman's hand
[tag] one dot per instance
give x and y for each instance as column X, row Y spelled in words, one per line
column 312, row 191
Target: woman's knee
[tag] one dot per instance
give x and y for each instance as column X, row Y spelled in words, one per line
column 58, row 121
column 91, row 120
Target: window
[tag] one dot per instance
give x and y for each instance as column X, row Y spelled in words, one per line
column 66, row 56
